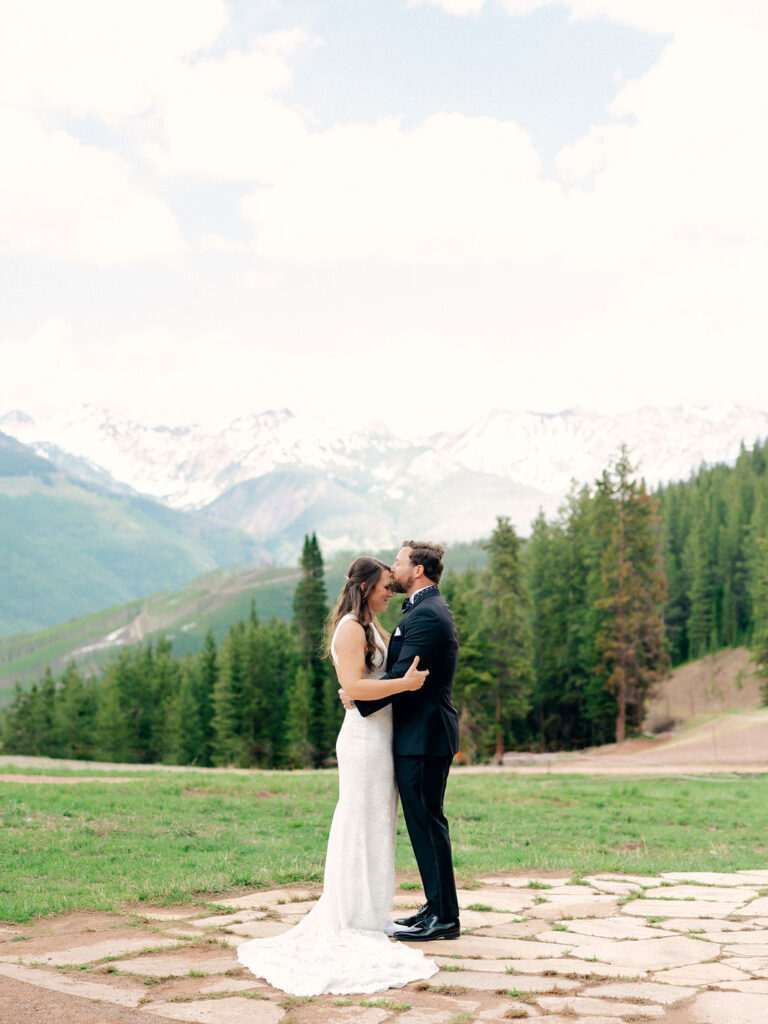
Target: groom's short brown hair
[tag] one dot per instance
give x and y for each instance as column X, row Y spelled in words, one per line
column 429, row 555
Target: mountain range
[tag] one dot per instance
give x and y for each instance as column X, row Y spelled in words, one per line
column 144, row 507
column 276, row 474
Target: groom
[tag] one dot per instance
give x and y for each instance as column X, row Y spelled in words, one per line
column 425, row 733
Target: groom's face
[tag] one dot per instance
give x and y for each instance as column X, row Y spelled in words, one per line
column 402, row 571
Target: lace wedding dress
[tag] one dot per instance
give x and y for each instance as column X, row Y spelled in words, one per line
column 341, row 946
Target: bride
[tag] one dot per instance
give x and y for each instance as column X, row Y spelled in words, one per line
column 341, row 946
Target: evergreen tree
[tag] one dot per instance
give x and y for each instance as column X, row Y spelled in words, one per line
column 19, row 722
column 112, row 731
column 310, row 611
column 760, row 601
column 299, row 751
column 206, row 679
column 509, row 633
column 474, row 678
column 183, row 740
column 45, row 724
column 701, row 621
column 630, row 645
column 74, row 714
column 226, row 723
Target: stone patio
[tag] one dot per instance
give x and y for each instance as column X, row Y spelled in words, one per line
column 680, row 948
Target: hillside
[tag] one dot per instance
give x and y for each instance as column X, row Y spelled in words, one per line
column 70, row 547
column 184, row 616
column 212, row 601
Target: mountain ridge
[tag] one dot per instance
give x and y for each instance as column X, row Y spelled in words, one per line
column 369, row 487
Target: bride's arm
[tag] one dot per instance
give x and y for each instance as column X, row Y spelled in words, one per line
column 350, row 668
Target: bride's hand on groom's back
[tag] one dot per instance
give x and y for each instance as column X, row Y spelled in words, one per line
column 414, row 677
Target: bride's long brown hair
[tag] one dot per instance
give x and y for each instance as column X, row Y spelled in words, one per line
column 362, row 576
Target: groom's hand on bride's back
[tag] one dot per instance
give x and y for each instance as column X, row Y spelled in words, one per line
column 346, row 700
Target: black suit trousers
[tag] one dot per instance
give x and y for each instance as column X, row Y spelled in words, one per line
column 421, row 780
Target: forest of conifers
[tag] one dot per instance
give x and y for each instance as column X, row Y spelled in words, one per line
column 563, row 636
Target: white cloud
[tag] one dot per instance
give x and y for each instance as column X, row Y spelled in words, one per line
column 62, row 199
column 217, row 118
column 96, row 57
column 460, row 7
column 454, row 190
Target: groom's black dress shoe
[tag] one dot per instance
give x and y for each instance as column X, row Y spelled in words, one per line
column 409, row 922
column 429, row 928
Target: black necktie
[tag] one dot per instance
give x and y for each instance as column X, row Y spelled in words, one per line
column 407, row 605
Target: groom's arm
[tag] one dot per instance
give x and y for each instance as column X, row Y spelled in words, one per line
column 422, row 637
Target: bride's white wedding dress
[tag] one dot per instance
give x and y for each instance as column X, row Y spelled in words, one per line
column 341, row 946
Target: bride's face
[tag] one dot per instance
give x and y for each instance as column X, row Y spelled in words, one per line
column 379, row 597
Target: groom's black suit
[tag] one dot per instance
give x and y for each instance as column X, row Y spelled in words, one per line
column 425, row 738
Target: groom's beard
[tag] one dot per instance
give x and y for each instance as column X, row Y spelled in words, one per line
column 402, row 587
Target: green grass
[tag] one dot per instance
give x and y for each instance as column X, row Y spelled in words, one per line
column 168, row 837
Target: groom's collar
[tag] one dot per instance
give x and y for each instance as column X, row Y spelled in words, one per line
column 422, row 592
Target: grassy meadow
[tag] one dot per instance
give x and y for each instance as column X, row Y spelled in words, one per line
column 166, row 836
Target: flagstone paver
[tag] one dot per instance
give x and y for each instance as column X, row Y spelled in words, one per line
column 226, row 920
column 746, row 938
column 578, row 952
column 120, row 996
column 511, row 900
column 644, row 991
column 736, row 949
column 754, row 964
column 266, row 898
column 483, row 981
column 700, row 974
column 525, row 881
column 583, row 1005
column 88, row 954
column 609, row 928
column 236, row 1010
column 191, row 959
column 232, row 985
column 736, row 894
column 758, row 906
column 644, row 881
column 573, row 966
column 698, row 926
column 722, row 1007
column 597, row 906
column 259, row 929
column 753, row 985
column 614, row 888
column 676, row 908
column 717, row 877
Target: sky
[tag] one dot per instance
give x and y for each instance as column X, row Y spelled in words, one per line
column 408, row 212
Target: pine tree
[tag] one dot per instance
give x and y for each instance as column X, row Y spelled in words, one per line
column 310, row 611
column 112, row 728
column 474, row 678
column 701, row 621
column 298, row 721
column 74, row 716
column 19, row 722
column 206, row 679
column 226, row 723
column 760, row 602
column 630, row 643
column 509, row 633
column 183, row 740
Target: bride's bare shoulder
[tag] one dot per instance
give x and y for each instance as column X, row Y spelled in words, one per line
column 349, row 631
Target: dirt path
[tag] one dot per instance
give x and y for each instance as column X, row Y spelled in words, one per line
column 735, row 742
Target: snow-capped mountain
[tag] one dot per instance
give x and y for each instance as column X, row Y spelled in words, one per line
column 277, row 474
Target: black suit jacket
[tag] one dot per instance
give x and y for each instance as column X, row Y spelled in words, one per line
column 424, row 721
